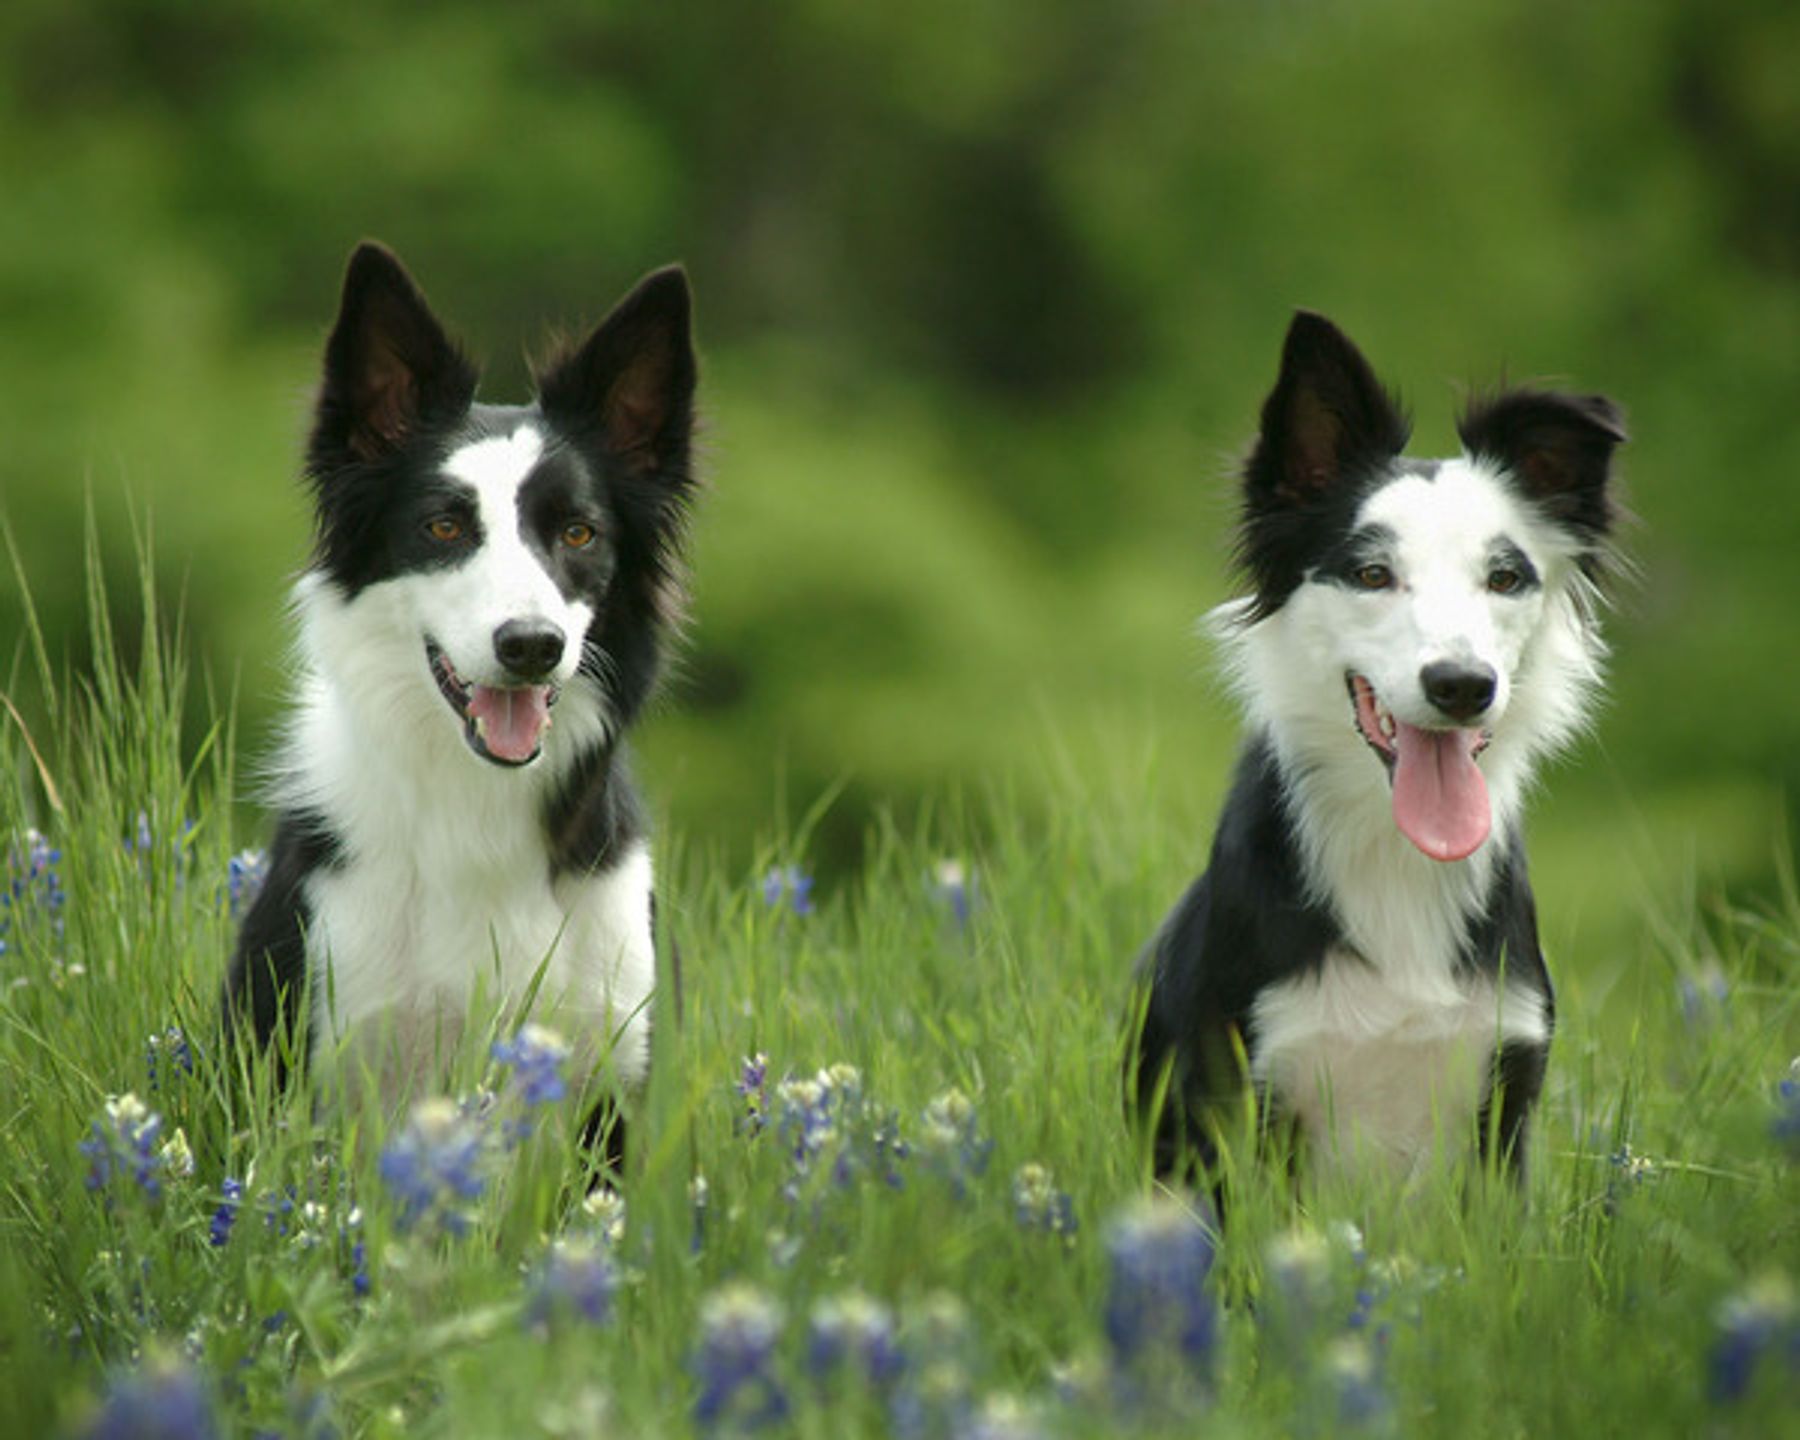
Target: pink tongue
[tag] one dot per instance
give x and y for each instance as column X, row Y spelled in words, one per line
column 512, row 720
column 1440, row 797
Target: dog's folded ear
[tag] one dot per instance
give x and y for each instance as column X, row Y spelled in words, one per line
column 1327, row 417
column 1557, row 447
column 631, row 382
column 389, row 366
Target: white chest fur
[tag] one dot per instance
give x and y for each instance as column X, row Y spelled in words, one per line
column 1382, row 1066
column 404, row 954
column 445, row 898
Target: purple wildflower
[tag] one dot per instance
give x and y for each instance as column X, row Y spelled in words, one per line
column 245, row 874
column 753, row 1089
column 1004, row 1417
column 1159, row 1304
column 953, row 888
column 1752, row 1323
column 1785, row 1127
column 225, row 1217
column 575, row 1280
column 1039, row 1205
column 162, row 1401
column 935, row 1396
column 951, row 1140
column 33, row 883
column 125, row 1142
column 1353, row 1373
column 434, row 1164
column 1704, row 993
column 536, row 1056
column 171, row 1046
column 857, row 1332
column 791, row 883
column 735, row 1362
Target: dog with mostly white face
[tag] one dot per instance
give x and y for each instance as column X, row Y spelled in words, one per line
column 481, row 622
column 1362, row 949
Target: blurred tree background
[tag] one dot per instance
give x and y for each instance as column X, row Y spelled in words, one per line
column 988, row 294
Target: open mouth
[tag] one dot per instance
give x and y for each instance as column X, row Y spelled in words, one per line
column 502, row 723
column 1440, row 795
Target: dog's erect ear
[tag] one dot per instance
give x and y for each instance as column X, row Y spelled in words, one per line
column 632, row 381
column 1557, row 447
column 388, row 364
column 1326, row 417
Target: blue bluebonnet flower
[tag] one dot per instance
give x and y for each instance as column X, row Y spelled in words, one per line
column 855, row 1332
column 951, row 1141
column 225, row 1217
column 1039, row 1205
column 789, row 883
column 170, row 1048
column 953, row 887
column 33, row 883
column 699, row 1198
column 1352, row 1370
column 604, row 1210
column 1004, row 1417
column 1761, row 1318
column 1159, row 1302
column 245, row 874
column 1785, row 1127
column 1627, row 1172
column 1298, row 1266
column 142, row 838
column 1704, row 993
column 753, row 1089
column 536, row 1056
column 575, row 1280
column 164, row 1400
column 360, row 1284
column 828, row 1127
column 435, row 1164
column 127, row 1141
column 740, row 1388
column 935, row 1395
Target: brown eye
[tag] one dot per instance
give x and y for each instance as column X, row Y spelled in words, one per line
column 1504, row 581
column 444, row 529
column 1375, row 577
column 578, row 536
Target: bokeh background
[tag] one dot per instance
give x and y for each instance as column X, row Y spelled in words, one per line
column 988, row 296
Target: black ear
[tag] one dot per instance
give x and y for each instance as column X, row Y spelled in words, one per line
column 389, row 366
column 1557, row 447
column 1327, row 417
column 632, row 381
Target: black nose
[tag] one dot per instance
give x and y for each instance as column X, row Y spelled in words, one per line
column 528, row 649
column 1461, row 691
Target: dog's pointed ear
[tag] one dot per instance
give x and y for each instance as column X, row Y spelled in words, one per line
column 1557, row 447
column 631, row 382
column 1327, row 416
column 389, row 366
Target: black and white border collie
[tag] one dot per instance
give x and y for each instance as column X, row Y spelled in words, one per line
column 480, row 624
column 1419, row 636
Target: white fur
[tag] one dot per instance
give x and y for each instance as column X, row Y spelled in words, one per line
column 460, row 608
column 446, row 893
column 1377, row 1023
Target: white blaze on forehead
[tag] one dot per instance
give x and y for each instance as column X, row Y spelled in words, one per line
column 1456, row 512
column 503, row 578
column 496, row 467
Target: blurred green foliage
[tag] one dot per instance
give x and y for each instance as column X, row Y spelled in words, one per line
column 988, row 296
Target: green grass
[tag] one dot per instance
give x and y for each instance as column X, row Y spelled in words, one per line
column 1589, row 1308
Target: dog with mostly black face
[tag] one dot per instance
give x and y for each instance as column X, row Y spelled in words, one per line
column 1362, row 949
column 482, row 620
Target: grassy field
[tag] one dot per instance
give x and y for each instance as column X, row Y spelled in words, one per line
column 955, row 1236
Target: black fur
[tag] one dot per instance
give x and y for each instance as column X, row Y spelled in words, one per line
column 397, row 396
column 1330, row 434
